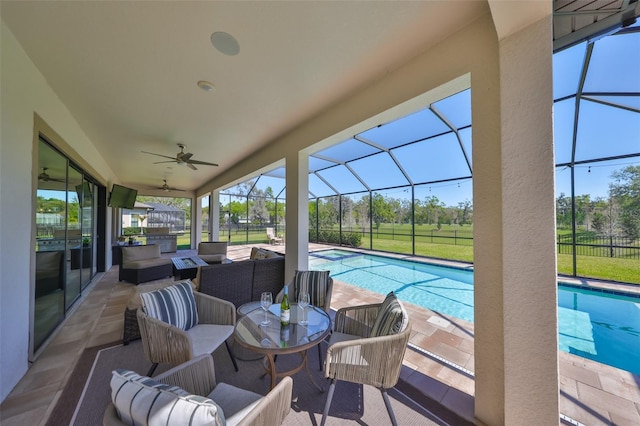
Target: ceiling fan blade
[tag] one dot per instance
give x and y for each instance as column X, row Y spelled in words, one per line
column 176, row 189
column 191, row 166
column 203, row 163
column 160, row 162
column 159, row 155
column 186, row 156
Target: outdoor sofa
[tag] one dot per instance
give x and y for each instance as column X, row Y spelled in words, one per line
column 143, row 263
column 244, row 281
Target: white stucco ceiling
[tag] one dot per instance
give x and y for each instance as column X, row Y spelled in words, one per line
column 127, row 71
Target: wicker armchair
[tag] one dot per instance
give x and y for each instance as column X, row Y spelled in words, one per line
column 354, row 357
column 165, row 343
column 197, row 377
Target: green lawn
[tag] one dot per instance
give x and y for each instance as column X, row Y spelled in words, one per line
column 606, row 268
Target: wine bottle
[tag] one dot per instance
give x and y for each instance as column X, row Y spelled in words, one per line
column 284, row 307
column 284, row 336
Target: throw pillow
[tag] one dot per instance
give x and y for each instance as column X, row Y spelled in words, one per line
column 392, row 318
column 316, row 283
column 174, row 305
column 140, row 400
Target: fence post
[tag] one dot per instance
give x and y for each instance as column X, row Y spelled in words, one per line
column 611, row 245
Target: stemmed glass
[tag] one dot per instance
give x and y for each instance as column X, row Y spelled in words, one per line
column 265, row 302
column 303, row 302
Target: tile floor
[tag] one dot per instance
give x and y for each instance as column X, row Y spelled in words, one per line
column 438, row 370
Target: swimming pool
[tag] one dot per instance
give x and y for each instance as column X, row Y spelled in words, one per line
column 601, row 326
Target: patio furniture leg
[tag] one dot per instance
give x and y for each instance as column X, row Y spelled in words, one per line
column 327, row 404
column 387, row 403
column 152, row 369
column 233, row 359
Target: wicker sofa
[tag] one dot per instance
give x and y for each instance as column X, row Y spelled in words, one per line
column 143, row 263
column 243, row 281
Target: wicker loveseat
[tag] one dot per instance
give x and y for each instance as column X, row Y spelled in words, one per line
column 243, row 281
column 144, row 263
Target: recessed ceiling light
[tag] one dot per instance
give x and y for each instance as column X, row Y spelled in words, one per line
column 206, row 86
column 225, row 43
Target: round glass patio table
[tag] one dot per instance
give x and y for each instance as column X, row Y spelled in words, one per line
column 273, row 339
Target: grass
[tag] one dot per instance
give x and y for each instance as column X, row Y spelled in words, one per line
column 605, row 268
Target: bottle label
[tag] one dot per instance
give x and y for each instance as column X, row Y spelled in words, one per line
column 284, row 316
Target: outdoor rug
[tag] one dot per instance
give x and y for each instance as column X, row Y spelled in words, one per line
column 87, row 394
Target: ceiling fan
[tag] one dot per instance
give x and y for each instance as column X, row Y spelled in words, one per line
column 165, row 187
column 182, row 158
column 44, row 176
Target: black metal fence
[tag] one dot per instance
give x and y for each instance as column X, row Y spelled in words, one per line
column 601, row 246
column 586, row 245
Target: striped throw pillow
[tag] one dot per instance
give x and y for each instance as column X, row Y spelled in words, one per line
column 392, row 318
column 140, row 400
column 174, row 305
column 315, row 282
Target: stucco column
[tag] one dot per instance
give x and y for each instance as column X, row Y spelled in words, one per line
column 516, row 336
column 214, row 216
column 297, row 213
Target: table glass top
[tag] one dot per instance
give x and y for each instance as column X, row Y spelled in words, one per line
column 250, row 332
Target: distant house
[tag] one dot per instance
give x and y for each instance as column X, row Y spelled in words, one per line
column 163, row 216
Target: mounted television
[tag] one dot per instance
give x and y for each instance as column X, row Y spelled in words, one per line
column 122, row 197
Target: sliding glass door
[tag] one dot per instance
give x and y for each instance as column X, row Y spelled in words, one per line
column 66, row 202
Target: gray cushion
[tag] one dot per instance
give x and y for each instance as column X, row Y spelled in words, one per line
column 174, row 305
column 206, row 338
column 130, row 254
column 235, row 402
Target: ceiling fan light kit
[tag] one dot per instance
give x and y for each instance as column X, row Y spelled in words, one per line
column 207, row 86
column 182, row 158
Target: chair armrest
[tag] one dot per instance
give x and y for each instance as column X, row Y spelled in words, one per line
column 356, row 320
column 197, row 376
column 273, row 408
column 375, row 361
column 162, row 342
column 212, row 310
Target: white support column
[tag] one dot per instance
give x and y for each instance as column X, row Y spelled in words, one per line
column 214, row 216
column 514, row 235
column 297, row 213
column 196, row 222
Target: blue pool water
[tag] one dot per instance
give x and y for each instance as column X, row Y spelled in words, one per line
column 596, row 325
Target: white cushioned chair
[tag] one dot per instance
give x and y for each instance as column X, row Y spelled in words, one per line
column 367, row 346
column 272, row 237
column 178, row 324
column 189, row 394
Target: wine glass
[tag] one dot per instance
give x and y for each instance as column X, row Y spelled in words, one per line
column 265, row 302
column 303, row 302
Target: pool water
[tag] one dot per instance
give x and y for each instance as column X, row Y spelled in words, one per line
column 600, row 326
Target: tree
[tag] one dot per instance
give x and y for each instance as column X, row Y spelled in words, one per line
column 258, row 211
column 625, row 193
column 465, row 212
column 381, row 211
